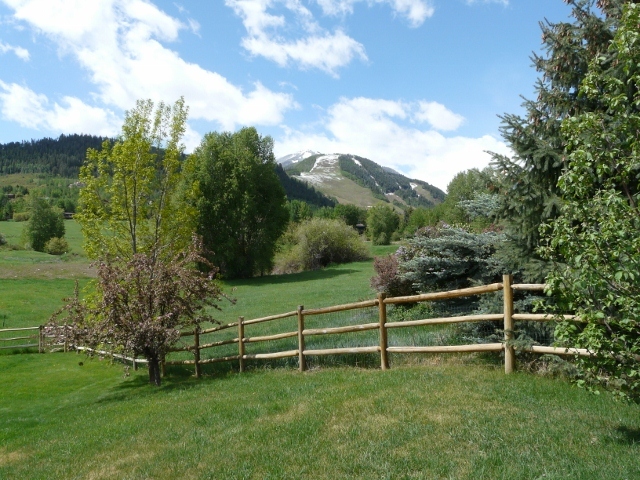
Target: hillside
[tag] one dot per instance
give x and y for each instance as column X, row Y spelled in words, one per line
column 63, row 156
column 60, row 156
column 360, row 181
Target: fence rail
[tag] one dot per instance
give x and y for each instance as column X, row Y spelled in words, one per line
column 38, row 337
column 507, row 316
column 382, row 348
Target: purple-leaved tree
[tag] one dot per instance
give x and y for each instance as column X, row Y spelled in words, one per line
column 141, row 305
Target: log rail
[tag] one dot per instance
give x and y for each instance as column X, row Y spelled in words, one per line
column 508, row 317
column 296, row 318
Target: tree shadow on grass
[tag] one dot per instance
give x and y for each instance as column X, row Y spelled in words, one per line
column 628, row 436
column 292, row 277
column 177, row 378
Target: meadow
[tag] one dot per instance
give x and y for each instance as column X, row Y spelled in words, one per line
column 63, row 415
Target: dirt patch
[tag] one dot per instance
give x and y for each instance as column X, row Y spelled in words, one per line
column 47, row 271
column 7, row 458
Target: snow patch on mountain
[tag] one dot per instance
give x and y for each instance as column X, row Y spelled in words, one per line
column 293, row 158
column 325, row 168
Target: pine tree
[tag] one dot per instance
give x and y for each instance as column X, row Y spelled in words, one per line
column 528, row 180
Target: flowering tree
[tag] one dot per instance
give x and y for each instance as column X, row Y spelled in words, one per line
column 142, row 305
column 138, row 227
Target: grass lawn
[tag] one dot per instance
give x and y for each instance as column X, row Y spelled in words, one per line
column 12, row 232
column 62, row 420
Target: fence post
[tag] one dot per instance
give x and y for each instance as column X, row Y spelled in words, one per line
column 66, row 334
column 40, row 340
column 241, row 343
column 382, row 308
column 196, row 350
column 301, row 360
column 509, row 353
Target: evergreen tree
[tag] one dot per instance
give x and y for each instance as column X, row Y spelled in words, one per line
column 528, row 180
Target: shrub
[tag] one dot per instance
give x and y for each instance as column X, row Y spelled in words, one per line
column 320, row 242
column 388, row 279
column 56, row 246
column 3, row 241
column 21, row 216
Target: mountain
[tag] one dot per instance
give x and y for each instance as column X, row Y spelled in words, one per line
column 295, row 157
column 300, row 190
column 360, row 181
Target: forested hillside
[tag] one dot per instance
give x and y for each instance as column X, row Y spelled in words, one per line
column 380, row 180
column 299, row 190
column 64, row 155
column 60, row 156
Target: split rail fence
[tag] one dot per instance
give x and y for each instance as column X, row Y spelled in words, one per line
column 32, row 337
column 301, row 333
column 29, row 337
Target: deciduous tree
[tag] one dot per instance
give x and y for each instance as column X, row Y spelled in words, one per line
column 382, row 221
column 142, row 305
column 130, row 202
column 240, row 202
column 594, row 241
column 44, row 223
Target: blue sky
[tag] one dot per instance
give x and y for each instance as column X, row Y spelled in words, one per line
column 416, row 85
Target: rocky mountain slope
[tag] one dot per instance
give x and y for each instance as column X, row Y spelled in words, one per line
column 352, row 179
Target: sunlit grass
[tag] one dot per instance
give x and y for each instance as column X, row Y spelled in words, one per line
column 63, row 420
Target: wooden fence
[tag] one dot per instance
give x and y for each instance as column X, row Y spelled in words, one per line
column 37, row 338
column 507, row 316
column 32, row 335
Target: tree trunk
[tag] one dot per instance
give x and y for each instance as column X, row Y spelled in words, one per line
column 154, row 371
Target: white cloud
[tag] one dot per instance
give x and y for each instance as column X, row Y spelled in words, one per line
column 314, row 46
column 119, row 43
column 416, row 11
column 438, row 116
column 327, row 52
column 381, row 130
column 32, row 110
column 501, row 2
column 19, row 52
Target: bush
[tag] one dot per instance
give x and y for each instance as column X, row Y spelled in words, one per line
column 21, row 216
column 388, row 280
column 56, row 246
column 3, row 241
column 320, row 242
